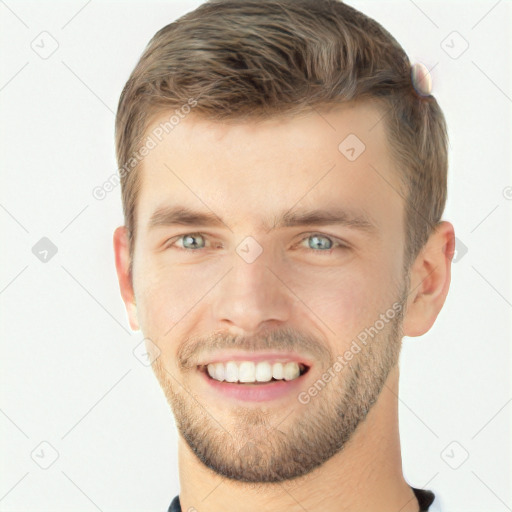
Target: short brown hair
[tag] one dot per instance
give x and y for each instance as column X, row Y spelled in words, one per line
column 244, row 59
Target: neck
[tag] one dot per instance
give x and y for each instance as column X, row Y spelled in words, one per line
column 366, row 475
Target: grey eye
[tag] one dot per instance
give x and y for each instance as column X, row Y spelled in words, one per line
column 193, row 241
column 320, row 242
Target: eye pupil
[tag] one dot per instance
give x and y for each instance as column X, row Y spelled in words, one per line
column 318, row 244
column 192, row 239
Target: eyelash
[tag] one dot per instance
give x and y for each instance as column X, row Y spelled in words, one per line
column 337, row 244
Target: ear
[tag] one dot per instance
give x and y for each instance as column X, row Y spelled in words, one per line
column 430, row 281
column 122, row 256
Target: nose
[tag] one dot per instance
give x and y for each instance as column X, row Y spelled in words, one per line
column 252, row 296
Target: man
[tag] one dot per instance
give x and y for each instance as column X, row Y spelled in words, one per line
column 283, row 181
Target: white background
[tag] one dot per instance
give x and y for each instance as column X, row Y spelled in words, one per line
column 68, row 373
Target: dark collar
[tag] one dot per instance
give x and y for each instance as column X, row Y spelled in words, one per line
column 424, row 497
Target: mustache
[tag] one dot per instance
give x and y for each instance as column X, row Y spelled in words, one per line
column 285, row 339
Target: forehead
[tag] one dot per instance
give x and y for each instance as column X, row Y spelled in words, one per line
column 253, row 170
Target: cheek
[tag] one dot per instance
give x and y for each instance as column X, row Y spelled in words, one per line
column 345, row 300
column 166, row 293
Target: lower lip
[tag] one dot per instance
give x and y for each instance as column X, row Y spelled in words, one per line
column 256, row 392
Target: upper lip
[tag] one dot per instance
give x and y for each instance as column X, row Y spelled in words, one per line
column 277, row 357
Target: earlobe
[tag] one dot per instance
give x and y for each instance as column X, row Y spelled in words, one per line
column 122, row 261
column 430, row 281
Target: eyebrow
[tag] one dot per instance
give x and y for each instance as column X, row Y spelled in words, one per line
column 183, row 216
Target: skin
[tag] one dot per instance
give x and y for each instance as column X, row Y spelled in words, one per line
column 341, row 450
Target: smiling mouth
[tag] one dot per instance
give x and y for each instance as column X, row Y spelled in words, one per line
column 245, row 374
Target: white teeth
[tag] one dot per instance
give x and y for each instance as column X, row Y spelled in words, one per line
column 291, row 371
column 248, row 371
column 231, row 372
column 277, row 371
column 219, row 371
column 263, row 372
column 211, row 371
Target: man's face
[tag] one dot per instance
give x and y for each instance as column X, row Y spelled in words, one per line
column 205, row 292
